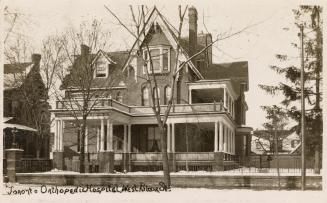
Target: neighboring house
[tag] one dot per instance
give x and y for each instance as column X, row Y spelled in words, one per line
column 209, row 114
column 263, row 141
column 24, row 103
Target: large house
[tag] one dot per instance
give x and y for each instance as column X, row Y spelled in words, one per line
column 25, row 110
column 207, row 124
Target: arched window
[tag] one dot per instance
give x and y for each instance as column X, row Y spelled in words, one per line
column 119, row 97
column 167, row 94
column 131, row 73
column 145, row 96
column 157, row 98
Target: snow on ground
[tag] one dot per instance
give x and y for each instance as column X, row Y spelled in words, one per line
column 235, row 172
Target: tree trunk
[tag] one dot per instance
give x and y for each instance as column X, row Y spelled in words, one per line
column 165, row 163
column 277, row 158
column 82, row 153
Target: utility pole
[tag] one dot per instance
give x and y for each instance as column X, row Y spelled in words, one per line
column 302, row 112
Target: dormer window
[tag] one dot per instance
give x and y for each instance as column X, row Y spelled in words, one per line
column 101, row 68
column 160, row 59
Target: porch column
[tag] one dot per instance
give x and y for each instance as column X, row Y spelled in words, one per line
column 233, row 114
column 109, row 136
column 168, row 137
column 58, row 155
column 61, row 135
column 129, row 144
column 230, row 141
column 126, row 158
column 98, row 138
column 106, row 157
column 218, row 153
column 216, row 137
column 125, row 138
column 56, row 135
column 221, row 146
column 173, row 137
column 225, row 97
column 102, row 135
column 86, row 141
column 190, row 96
column 233, row 142
column 225, row 138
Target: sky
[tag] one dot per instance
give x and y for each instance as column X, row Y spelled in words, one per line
column 271, row 31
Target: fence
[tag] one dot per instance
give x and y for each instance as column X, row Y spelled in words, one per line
column 35, row 165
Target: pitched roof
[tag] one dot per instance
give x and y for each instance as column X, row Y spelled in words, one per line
column 118, row 57
column 15, row 68
column 237, row 72
column 171, row 35
column 14, row 74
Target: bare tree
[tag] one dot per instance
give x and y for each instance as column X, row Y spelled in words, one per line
column 30, row 95
column 162, row 115
column 83, row 92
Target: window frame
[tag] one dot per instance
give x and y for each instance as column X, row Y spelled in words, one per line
column 143, row 94
column 161, row 69
column 166, row 99
column 106, row 68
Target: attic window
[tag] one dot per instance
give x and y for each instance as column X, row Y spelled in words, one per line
column 101, row 69
column 160, row 56
column 155, row 28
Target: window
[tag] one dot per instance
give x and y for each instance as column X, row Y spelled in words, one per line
column 131, row 73
column 167, row 94
column 258, row 145
column 165, row 59
column 101, row 69
column 145, row 96
column 153, row 139
column 119, row 97
column 294, row 143
column 160, row 59
column 155, row 55
column 156, row 97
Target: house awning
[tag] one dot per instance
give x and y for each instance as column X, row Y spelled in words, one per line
column 19, row 127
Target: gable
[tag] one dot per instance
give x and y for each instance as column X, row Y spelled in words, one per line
column 155, row 18
column 15, row 74
column 154, row 39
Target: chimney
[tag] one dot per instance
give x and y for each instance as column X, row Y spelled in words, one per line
column 193, row 30
column 85, row 50
column 36, row 58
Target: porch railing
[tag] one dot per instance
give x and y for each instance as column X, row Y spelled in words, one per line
column 96, row 103
column 181, row 108
column 194, row 156
column 147, row 156
column 110, row 103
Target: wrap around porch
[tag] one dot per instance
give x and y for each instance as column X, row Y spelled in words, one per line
column 191, row 145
